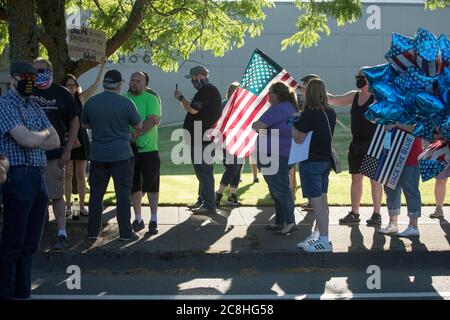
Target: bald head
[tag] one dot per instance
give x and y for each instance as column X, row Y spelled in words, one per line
column 137, row 83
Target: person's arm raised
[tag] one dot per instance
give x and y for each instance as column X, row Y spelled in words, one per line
column 89, row 92
column 342, row 100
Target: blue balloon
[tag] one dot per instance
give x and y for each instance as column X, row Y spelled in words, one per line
column 385, row 92
column 383, row 73
column 444, row 45
column 402, row 49
column 427, row 104
column 431, row 168
column 426, row 45
column 384, row 112
column 444, row 128
column 414, row 79
column 444, row 87
column 424, row 129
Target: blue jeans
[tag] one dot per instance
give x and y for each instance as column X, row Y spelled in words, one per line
column 232, row 175
column 409, row 183
column 99, row 175
column 280, row 191
column 25, row 201
column 205, row 177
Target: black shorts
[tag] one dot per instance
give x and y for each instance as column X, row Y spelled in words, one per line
column 146, row 172
column 355, row 159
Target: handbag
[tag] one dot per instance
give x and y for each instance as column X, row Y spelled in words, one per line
column 336, row 163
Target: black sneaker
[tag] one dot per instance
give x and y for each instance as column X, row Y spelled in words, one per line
column 232, row 200
column 202, row 210
column 218, row 198
column 374, row 220
column 351, row 217
column 153, row 228
column 133, row 237
column 138, row 226
column 61, row 243
column 195, row 205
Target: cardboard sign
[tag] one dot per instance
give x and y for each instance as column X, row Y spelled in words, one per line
column 86, row 43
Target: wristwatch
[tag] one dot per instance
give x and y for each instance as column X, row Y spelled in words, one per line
column 180, row 98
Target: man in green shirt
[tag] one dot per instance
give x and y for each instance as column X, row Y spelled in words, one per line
column 145, row 142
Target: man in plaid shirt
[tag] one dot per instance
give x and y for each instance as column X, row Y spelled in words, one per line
column 25, row 134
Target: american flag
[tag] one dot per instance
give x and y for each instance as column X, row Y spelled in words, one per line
column 248, row 103
column 384, row 163
column 427, row 48
column 401, row 55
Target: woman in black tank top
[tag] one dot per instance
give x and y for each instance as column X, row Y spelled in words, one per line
column 362, row 133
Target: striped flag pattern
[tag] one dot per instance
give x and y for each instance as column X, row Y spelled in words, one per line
column 248, row 103
column 401, row 55
column 384, row 163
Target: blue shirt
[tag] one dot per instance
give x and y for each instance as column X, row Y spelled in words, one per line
column 110, row 115
column 16, row 111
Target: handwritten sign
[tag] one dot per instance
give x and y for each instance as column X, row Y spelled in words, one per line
column 86, row 43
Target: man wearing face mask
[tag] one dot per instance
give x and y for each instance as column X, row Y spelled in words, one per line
column 362, row 134
column 25, row 134
column 59, row 106
column 204, row 109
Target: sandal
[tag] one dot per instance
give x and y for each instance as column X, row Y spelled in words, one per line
column 84, row 213
column 68, row 212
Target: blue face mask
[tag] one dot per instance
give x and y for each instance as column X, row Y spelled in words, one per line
column 198, row 84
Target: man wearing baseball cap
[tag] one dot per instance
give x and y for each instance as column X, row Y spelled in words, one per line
column 110, row 116
column 25, row 135
column 203, row 110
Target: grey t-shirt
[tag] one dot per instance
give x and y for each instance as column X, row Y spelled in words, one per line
column 110, row 115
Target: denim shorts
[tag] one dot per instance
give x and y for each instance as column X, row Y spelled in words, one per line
column 314, row 177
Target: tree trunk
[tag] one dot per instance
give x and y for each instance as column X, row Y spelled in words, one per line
column 22, row 28
column 52, row 13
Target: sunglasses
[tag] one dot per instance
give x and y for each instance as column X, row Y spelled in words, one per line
column 359, row 77
column 42, row 70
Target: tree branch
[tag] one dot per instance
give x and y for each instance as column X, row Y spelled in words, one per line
column 117, row 40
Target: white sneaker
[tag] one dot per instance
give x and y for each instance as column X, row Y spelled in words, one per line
column 319, row 246
column 409, row 232
column 390, row 229
column 308, row 241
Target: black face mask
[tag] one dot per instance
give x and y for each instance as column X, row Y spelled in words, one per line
column 25, row 87
column 360, row 83
column 198, row 84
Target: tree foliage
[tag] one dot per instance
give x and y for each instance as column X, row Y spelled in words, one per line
column 170, row 31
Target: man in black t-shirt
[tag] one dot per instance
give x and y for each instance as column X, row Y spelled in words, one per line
column 59, row 106
column 204, row 110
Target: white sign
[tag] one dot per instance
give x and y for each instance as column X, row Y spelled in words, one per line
column 85, row 43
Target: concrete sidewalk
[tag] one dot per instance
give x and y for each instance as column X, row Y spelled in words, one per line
column 242, row 230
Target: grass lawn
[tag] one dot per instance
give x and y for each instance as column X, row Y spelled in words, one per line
column 179, row 184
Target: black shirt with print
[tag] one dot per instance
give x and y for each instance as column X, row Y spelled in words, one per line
column 59, row 106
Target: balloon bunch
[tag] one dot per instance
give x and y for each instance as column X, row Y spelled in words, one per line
column 413, row 88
